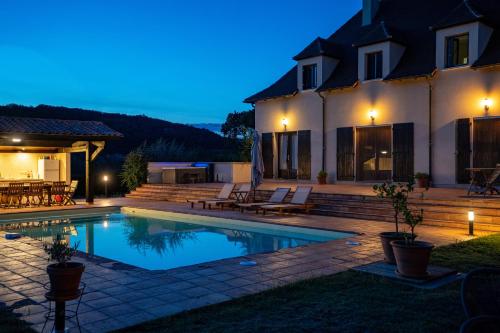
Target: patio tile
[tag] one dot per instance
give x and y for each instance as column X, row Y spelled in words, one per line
column 147, row 303
column 195, row 292
column 118, row 309
column 100, row 303
column 165, row 310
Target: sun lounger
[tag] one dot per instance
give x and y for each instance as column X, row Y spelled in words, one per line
column 298, row 202
column 277, row 197
column 224, row 194
column 241, row 196
column 487, row 184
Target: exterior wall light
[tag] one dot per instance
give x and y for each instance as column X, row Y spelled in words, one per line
column 471, row 217
column 284, row 122
column 16, row 140
column 372, row 114
column 486, row 104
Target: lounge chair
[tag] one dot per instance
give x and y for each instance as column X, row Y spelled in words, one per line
column 298, row 202
column 224, row 194
column 481, row 300
column 481, row 186
column 277, row 197
column 241, row 196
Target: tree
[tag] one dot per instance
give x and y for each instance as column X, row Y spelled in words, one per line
column 135, row 170
column 238, row 123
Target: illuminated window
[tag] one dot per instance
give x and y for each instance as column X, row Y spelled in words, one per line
column 457, row 51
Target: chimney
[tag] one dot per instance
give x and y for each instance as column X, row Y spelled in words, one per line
column 370, row 8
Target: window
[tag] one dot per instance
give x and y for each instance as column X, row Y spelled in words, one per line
column 373, row 66
column 309, row 77
column 457, row 50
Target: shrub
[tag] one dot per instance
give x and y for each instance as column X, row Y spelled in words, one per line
column 134, row 170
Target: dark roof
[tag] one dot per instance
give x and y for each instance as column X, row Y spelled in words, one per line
column 461, row 14
column 379, row 32
column 319, row 47
column 408, row 23
column 56, row 128
column 285, row 86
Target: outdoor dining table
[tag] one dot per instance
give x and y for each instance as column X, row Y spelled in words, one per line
column 46, row 186
column 478, row 175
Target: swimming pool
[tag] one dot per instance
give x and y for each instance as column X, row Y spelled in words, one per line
column 162, row 240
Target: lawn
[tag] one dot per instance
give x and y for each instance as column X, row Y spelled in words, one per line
column 345, row 302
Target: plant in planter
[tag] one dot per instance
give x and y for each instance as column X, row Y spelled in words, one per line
column 412, row 257
column 322, row 175
column 64, row 275
column 423, row 180
column 398, row 195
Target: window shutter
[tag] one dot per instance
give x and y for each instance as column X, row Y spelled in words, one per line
column 486, row 150
column 304, row 152
column 403, row 152
column 267, row 154
column 345, row 153
column 463, row 151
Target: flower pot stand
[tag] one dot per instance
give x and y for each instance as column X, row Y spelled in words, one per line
column 59, row 314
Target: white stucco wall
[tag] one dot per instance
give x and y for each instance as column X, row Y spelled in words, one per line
column 457, row 93
column 304, row 112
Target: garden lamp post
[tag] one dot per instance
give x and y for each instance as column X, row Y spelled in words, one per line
column 471, row 217
column 105, row 180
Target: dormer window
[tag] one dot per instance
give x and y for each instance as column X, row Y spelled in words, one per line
column 373, row 63
column 457, row 50
column 309, row 77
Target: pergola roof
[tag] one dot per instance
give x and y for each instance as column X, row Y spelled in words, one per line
column 56, row 129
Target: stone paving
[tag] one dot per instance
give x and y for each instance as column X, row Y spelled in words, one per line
column 118, row 296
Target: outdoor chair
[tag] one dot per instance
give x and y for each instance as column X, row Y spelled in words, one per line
column 483, row 185
column 277, row 197
column 58, row 191
column 481, row 300
column 69, row 192
column 35, row 195
column 15, row 195
column 224, row 194
column 298, row 202
column 241, row 196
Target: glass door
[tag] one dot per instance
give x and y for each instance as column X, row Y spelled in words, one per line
column 288, row 155
column 374, row 153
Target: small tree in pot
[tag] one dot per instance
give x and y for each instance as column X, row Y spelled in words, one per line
column 398, row 195
column 423, row 180
column 322, row 175
column 412, row 257
column 64, row 274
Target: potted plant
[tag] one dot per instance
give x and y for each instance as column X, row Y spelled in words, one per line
column 322, row 175
column 398, row 195
column 422, row 179
column 412, row 257
column 64, row 275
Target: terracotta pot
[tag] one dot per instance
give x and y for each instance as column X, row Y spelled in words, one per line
column 423, row 182
column 321, row 180
column 412, row 259
column 386, row 239
column 65, row 279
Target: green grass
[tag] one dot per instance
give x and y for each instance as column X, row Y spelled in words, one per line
column 345, row 302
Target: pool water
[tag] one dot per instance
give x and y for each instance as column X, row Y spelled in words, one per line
column 171, row 240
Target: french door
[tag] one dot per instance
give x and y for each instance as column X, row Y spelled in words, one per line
column 288, row 160
column 374, row 153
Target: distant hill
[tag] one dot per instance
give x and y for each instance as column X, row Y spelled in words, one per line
column 136, row 129
column 204, row 144
column 216, row 128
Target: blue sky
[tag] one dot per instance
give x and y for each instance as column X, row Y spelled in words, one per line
column 187, row 61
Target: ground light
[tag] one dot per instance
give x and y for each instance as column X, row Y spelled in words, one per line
column 471, row 217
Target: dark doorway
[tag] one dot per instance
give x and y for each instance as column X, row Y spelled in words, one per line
column 374, row 153
column 288, row 155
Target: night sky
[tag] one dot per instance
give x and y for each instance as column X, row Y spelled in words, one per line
column 185, row 61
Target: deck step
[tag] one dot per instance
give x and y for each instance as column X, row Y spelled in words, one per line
column 446, row 213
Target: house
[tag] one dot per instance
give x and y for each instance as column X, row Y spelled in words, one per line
column 402, row 87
